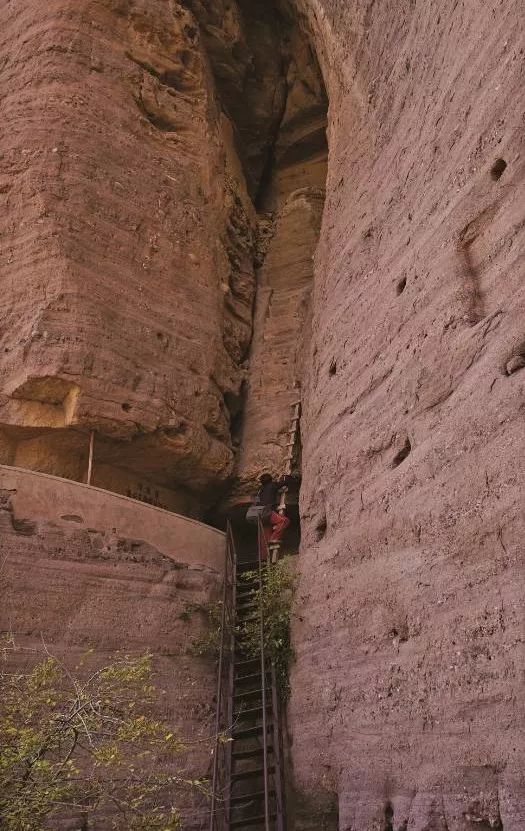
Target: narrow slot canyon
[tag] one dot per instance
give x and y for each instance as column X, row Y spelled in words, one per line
column 250, row 74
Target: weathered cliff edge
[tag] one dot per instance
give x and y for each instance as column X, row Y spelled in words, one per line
column 83, row 570
column 407, row 696
column 127, row 231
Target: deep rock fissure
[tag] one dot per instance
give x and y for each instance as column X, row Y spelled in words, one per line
column 250, row 78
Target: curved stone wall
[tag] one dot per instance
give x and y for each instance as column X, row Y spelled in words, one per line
column 83, row 569
column 71, row 506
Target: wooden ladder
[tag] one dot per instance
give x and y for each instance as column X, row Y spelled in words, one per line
column 293, row 434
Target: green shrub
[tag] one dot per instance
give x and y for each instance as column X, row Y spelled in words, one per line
column 276, row 597
column 86, row 747
column 207, row 642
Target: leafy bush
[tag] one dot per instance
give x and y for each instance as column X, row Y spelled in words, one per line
column 88, row 748
column 276, row 597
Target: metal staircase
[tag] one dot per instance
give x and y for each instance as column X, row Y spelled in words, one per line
column 247, row 786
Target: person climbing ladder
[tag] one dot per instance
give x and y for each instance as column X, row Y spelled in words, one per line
column 265, row 504
column 269, row 504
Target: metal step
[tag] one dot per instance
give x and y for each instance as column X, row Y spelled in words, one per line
column 248, row 694
column 250, row 732
column 252, row 604
column 254, row 676
column 247, row 661
column 246, row 593
column 253, row 609
column 241, row 714
column 251, row 821
column 252, row 774
column 240, row 755
column 251, row 797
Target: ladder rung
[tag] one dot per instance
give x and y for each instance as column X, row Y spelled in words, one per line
column 246, row 661
column 249, row 754
column 249, row 694
column 241, row 714
column 253, row 676
column 251, row 774
column 250, row 797
column 247, row 606
column 249, row 618
column 258, row 820
column 248, row 732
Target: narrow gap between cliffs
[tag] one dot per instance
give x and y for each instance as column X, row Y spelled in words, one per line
column 279, row 127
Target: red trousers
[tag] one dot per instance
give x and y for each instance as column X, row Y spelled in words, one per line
column 276, row 527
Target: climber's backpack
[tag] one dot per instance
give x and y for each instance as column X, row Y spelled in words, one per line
column 257, row 510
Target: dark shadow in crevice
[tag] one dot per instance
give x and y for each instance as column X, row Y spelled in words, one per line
column 402, row 454
column 498, row 169
column 401, row 286
column 388, row 819
column 321, row 527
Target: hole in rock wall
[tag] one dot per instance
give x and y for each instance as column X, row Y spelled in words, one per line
column 401, row 286
column 402, row 454
column 498, row 169
column 321, row 528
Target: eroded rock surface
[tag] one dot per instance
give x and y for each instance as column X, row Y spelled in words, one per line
column 127, row 232
column 407, row 696
column 71, row 589
column 140, row 139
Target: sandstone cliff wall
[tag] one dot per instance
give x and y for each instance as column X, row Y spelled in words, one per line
column 140, row 140
column 83, row 570
column 407, row 696
column 126, row 273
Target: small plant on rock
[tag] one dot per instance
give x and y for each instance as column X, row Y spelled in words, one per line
column 207, row 642
column 276, row 599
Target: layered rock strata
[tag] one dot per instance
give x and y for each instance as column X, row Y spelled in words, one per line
column 138, row 138
column 84, row 573
column 128, row 185
column 127, row 271
column 407, row 699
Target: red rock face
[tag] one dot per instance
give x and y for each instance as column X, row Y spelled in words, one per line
column 407, row 690
column 78, row 585
column 126, row 298
column 138, row 136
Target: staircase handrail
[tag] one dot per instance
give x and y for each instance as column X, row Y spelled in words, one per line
column 224, row 657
